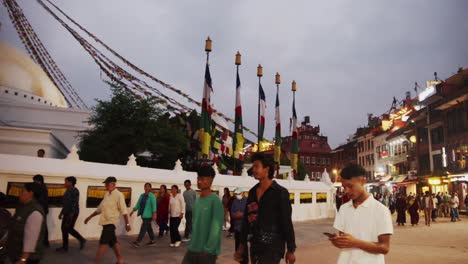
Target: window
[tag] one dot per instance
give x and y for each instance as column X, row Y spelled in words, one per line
column 321, row 198
column 306, row 198
column 437, row 135
column 307, row 160
column 313, row 160
column 95, row 195
column 54, row 191
column 291, row 198
column 422, row 135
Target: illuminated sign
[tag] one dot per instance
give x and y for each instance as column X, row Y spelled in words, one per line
column 429, row 91
column 434, row 181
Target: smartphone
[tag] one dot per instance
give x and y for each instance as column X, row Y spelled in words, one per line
column 330, row 235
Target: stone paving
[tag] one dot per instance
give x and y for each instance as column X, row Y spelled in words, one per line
column 443, row 242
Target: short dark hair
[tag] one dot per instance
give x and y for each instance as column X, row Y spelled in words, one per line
column 71, row 179
column 148, row 184
column 187, row 181
column 164, row 187
column 267, row 161
column 175, row 186
column 34, row 188
column 352, row 170
column 38, row 177
column 206, row 171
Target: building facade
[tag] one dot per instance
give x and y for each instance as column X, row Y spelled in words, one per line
column 314, row 150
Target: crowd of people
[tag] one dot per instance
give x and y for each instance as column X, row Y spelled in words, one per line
column 431, row 205
column 262, row 233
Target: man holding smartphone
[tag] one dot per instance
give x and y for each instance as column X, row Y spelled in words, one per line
column 364, row 224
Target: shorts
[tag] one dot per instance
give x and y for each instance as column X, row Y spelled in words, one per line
column 108, row 236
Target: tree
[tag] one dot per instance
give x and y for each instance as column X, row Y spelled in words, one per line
column 128, row 125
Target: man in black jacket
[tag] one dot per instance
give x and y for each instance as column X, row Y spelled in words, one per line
column 69, row 214
column 267, row 223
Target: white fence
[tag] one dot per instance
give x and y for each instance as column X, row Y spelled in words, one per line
column 312, row 200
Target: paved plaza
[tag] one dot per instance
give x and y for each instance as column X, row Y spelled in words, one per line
column 443, row 242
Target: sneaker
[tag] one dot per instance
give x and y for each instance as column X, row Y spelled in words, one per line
column 136, row 244
column 151, row 243
column 177, row 244
column 185, row 239
column 172, row 245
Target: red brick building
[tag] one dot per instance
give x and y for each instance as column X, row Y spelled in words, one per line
column 314, row 150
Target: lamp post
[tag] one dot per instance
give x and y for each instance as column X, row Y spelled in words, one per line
column 259, row 75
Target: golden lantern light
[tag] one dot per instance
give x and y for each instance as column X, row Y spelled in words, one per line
column 277, row 78
column 208, row 44
column 259, row 70
column 293, row 88
column 238, row 58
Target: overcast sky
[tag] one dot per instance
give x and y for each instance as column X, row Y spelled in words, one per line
column 349, row 58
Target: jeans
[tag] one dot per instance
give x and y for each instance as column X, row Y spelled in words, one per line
column 146, row 227
column 188, row 224
column 427, row 215
column 162, row 227
column 197, row 258
column 454, row 214
column 174, row 228
column 68, row 227
column 265, row 257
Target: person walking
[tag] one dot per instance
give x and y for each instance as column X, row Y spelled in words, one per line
column 401, row 209
column 69, row 214
column 43, row 200
column 391, row 202
column 237, row 213
column 176, row 213
column 146, row 208
column 27, row 228
column 413, row 209
column 427, row 205
column 267, row 219
column 446, row 199
column 454, row 203
column 226, row 200
column 162, row 212
column 208, row 217
column 364, row 225
column 110, row 209
column 440, row 205
column 435, row 204
column 189, row 197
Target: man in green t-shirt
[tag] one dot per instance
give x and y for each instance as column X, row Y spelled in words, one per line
column 208, row 218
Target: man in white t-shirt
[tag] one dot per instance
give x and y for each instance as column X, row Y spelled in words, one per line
column 364, row 224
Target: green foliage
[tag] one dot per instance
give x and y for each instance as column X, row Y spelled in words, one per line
column 128, row 125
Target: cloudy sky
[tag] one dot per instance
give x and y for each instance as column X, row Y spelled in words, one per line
column 349, row 58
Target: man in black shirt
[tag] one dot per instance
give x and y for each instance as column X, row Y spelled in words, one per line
column 267, row 220
column 69, row 213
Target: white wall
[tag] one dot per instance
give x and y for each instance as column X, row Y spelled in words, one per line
column 15, row 168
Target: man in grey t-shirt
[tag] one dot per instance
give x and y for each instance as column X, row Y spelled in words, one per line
column 189, row 196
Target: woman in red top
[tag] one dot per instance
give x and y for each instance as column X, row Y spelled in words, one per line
column 162, row 212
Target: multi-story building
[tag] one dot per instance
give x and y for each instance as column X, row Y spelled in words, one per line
column 441, row 130
column 342, row 156
column 314, row 150
column 365, row 151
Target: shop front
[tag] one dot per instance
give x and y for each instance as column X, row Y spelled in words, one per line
column 434, row 184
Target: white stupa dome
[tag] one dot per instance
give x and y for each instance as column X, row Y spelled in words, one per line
column 19, row 72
